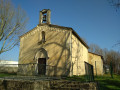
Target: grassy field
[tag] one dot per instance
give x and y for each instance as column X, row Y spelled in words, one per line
column 6, row 75
column 108, row 83
column 105, row 81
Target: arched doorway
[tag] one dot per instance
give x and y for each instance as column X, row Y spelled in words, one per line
column 41, row 59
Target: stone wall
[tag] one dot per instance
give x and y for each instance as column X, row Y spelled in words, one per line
column 79, row 55
column 16, row 85
column 8, row 69
column 61, row 48
column 97, row 62
column 45, row 85
column 57, row 45
column 26, row 69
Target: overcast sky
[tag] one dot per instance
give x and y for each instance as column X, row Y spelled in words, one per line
column 94, row 20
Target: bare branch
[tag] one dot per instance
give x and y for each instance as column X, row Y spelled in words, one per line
column 115, row 3
column 12, row 23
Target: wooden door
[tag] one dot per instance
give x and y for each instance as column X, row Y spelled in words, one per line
column 41, row 66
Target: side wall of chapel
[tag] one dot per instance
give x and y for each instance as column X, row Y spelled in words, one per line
column 79, row 56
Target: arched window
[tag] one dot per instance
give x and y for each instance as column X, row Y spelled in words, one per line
column 43, row 36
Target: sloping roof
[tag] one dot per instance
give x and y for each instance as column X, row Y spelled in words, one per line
column 62, row 27
column 81, row 40
column 96, row 54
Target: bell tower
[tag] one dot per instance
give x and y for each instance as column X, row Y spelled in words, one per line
column 44, row 16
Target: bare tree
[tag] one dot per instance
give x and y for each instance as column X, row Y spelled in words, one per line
column 12, row 25
column 117, row 44
column 114, row 57
column 115, row 3
column 95, row 49
column 110, row 56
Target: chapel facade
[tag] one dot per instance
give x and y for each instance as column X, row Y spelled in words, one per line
column 52, row 50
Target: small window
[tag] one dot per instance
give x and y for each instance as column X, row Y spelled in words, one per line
column 43, row 36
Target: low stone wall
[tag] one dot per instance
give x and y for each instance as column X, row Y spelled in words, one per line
column 23, row 85
column 27, row 69
column 8, row 69
column 44, row 85
column 16, row 85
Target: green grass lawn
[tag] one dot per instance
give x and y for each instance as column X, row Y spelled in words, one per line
column 6, row 74
column 108, row 83
column 105, row 81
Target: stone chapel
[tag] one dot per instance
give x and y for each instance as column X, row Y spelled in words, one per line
column 53, row 50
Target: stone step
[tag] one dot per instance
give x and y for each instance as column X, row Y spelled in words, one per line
column 69, row 85
column 65, row 82
column 29, row 78
column 58, row 82
column 67, row 88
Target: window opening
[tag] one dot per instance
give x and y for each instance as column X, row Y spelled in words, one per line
column 43, row 36
column 44, row 18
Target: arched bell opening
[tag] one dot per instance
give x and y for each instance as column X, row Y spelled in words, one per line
column 41, row 60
